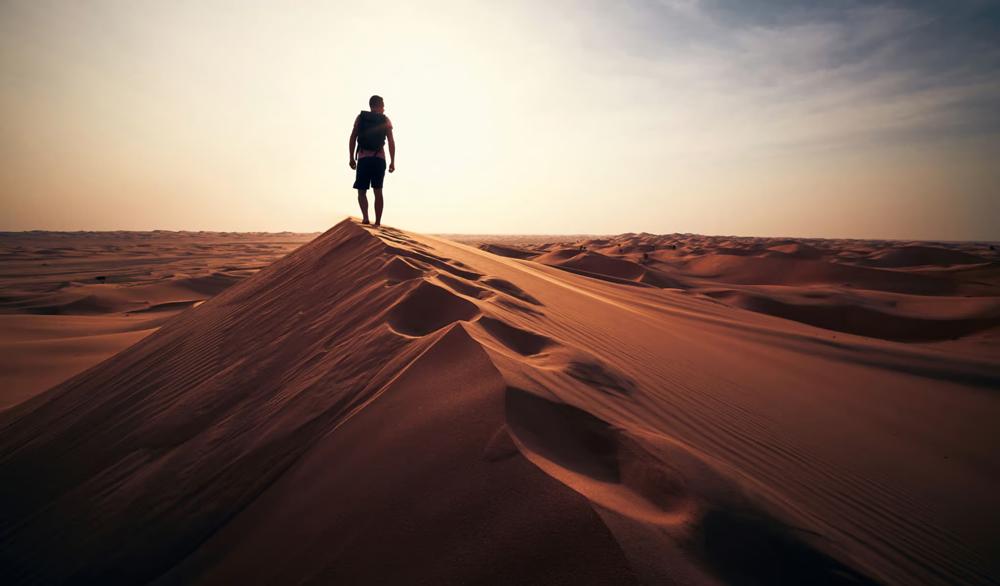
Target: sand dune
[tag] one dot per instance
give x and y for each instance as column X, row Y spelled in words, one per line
column 895, row 317
column 902, row 291
column 70, row 300
column 36, row 354
column 913, row 255
column 387, row 407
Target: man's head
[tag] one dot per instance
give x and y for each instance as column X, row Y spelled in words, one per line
column 376, row 104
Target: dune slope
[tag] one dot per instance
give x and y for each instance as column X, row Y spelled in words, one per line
column 69, row 300
column 900, row 291
column 385, row 407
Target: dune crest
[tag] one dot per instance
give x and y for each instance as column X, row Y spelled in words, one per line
column 382, row 406
column 901, row 291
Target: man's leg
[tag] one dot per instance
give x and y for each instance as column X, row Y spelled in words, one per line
column 378, row 206
column 363, row 202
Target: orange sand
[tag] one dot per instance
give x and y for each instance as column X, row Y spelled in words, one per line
column 70, row 300
column 387, row 407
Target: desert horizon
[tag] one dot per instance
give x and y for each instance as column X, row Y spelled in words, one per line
column 454, row 292
column 866, row 120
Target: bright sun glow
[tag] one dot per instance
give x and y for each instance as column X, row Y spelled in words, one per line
column 510, row 117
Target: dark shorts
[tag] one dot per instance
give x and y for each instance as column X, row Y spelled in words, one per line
column 370, row 172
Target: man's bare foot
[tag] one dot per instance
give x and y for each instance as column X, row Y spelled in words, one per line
column 365, row 221
column 378, row 224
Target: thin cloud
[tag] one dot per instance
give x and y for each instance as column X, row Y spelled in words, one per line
column 832, row 76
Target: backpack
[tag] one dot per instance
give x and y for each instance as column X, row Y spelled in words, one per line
column 371, row 131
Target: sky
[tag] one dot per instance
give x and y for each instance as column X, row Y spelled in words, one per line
column 740, row 117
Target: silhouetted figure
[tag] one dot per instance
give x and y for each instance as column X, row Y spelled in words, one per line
column 371, row 129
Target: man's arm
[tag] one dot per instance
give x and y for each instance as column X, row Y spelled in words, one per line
column 353, row 142
column 392, row 150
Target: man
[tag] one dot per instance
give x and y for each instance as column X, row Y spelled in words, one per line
column 371, row 129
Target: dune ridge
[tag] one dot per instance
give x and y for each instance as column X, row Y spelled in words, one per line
column 901, row 291
column 382, row 406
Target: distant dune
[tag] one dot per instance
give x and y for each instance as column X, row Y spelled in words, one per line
column 902, row 291
column 69, row 300
column 380, row 406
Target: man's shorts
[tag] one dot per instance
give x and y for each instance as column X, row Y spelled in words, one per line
column 370, row 172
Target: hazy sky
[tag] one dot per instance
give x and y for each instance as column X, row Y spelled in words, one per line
column 852, row 119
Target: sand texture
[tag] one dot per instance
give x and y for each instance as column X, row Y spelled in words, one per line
column 69, row 300
column 383, row 407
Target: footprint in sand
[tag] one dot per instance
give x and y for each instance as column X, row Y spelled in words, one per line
column 428, row 308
